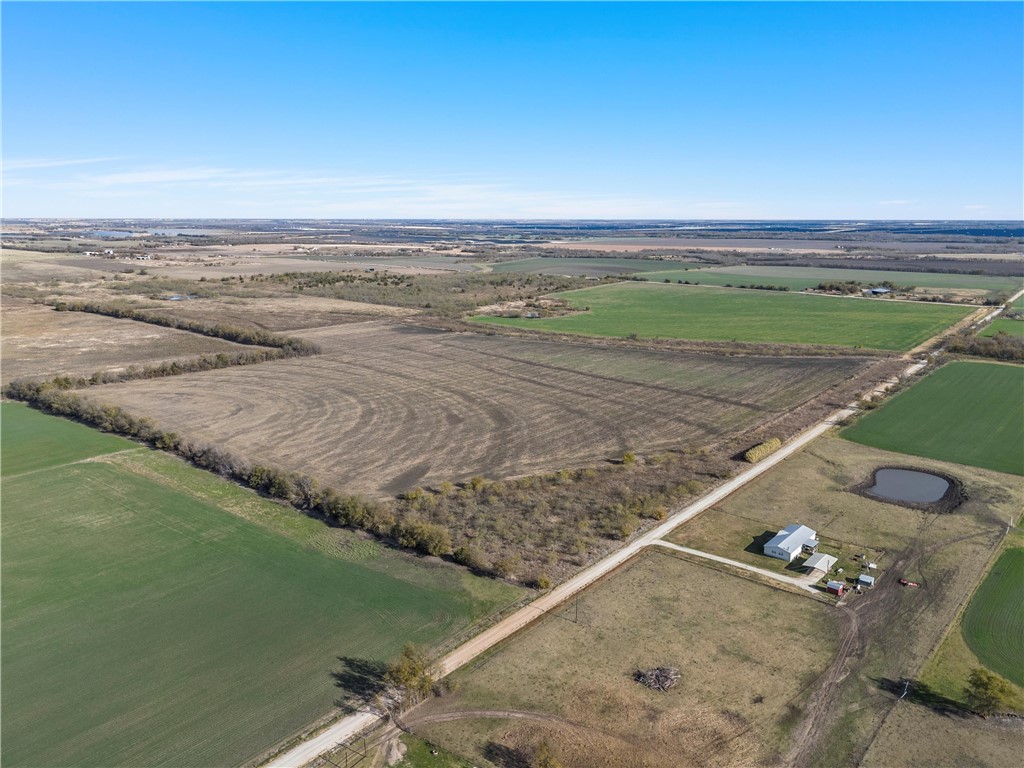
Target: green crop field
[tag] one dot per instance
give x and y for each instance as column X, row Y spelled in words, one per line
column 799, row 278
column 579, row 265
column 993, row 624
column 144, row 624
column 722, row 314
column 965, row 412
column 26, row 447
column 1004, row 325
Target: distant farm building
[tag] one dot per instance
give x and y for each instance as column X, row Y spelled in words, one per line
column 865, row 581
column 791, row 541
column 877, row 291
column 820, row 562
column 835, row 587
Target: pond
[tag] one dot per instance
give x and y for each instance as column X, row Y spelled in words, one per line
column 908, row 485
column 113, row 233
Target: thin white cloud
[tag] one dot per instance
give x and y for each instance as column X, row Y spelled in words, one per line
column 895, row 202
column 976, row 207
column 35, row 163
column 181, row 190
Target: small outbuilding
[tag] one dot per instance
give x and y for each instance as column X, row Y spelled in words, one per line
column 820, row 562
column 835, row 587
column 866, row 581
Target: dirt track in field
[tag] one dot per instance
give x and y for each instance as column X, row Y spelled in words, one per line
column 389, row 407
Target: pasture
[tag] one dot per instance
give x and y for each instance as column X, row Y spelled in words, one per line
column 387, row 408
column 814, row 488
column 598, row 266
column 799, row 278
column 39, row 342
column 568, row 678
column 146, row 624
column 1004, row 325
column 993, row 624
column 896, row 627
column 965, row 412
column 723, row 314
column 914, row 736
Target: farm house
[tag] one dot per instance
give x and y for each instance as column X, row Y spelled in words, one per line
column 791, row 541
column 820, row 562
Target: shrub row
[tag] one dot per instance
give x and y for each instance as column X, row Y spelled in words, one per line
column 301, row 491
column 289, row 346
column 159, row 370
column 1001, row 346
column 763, row 450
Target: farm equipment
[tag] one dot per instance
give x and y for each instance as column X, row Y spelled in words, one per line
column 907, row 583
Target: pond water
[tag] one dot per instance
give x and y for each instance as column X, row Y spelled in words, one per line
column 908, row 485
column 112, row 233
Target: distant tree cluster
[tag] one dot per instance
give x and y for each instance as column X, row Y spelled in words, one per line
column 760, row 287
column 1001, row 346
column 840, row 286
column 448, row 295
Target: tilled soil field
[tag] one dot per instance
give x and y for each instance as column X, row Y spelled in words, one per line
column 275, row 314
column 39, row 342
column 388, row 407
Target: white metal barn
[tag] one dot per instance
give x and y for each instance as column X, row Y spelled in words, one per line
column 790, row 542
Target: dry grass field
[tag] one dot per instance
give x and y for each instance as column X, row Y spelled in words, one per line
column 269, row 265
column 39, row 342
column 893, row 629
column 388, row 407
column 744, row 675
column 280, row 315
column 914, row 736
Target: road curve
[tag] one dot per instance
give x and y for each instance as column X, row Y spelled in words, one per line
column 352, row 725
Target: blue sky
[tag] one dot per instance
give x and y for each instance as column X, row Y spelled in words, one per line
column 344, row 110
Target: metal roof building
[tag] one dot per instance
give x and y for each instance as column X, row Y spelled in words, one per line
column 820, row 562
column 790, row 542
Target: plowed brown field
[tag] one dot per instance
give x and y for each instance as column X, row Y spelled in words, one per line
column 389, row 407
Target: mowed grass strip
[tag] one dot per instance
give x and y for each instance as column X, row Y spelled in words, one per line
column 144, row 626
column 799, row 278
column 25, row 447
column 965, row 412
column 723, row 314
column 993, row 624
column 1004, row 325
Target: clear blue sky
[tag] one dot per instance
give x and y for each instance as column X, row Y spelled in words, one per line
column 723, row 110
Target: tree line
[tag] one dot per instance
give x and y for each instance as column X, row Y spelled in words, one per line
column 301, row 491
column 1001, row 346
column 288, row 345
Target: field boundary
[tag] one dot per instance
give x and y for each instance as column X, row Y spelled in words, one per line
column 349, row 727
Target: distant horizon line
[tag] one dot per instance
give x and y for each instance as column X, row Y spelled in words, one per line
column 862, row 220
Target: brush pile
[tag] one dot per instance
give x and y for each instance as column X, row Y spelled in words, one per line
column 658, row 679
